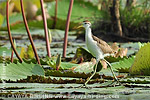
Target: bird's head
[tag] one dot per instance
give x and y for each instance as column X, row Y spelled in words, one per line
column 86, row 24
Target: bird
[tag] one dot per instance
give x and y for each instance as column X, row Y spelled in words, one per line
column 97, row 47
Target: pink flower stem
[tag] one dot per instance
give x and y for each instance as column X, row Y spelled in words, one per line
column 9, row 33
column 67, row 28
column 28, row 32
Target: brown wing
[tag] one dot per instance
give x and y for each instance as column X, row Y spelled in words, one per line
column 103, row 45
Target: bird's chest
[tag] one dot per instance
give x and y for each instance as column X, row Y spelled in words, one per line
column 92, row 47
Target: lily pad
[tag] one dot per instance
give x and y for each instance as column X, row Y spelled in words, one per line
column 123, row 65
column 82, row 52
column 19, row 71
column 4, row 51
column 141, row 65
column 86, row 9
column 14, row 18
column 69, row 74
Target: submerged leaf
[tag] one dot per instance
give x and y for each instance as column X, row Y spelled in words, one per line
column 141, row 65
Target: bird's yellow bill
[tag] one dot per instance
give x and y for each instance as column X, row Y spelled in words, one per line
column 77, row 27
column 81, row 26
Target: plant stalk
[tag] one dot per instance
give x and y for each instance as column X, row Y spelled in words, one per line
column 28, row 32
column 45, row 29
column 9, row 33
column 12, row 54
column 55, row 18
column 67, row 28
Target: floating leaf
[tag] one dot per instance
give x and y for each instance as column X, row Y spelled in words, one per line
column 86, row 9
column 69, row 74
column 19, row 71
column 88, row 67
column 85, row 67
column 129, row 45
column 87, row 56
column 64, row 65
column 67, row 65
column 13, row 19
column 4, row 51
column 141, row 44
column 123, row 65
column 141, row 65
column 82, row 52
column 114, row 59
column 137, row 80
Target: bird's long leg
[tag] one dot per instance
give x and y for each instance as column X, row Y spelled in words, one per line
column 112, row 71
column 92, row 74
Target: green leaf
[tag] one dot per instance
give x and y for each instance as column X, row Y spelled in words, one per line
column 22, row 53
column 87, row 56
column 27, row 53
column 58, row 62
column 87, row 67
column 80, row 11
column 123, row 65
column 69, row 74
column 141, row 65
column 5, row 51
column 136, row 80
column 49, row 36
column 30, row 52
column 19, row 71
column 67, row 65
column 82, row 52
column 15, row 17
column 114, row 59
column 63, row 65
column 19, row 27
column 141, row 44
column 1, row 19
